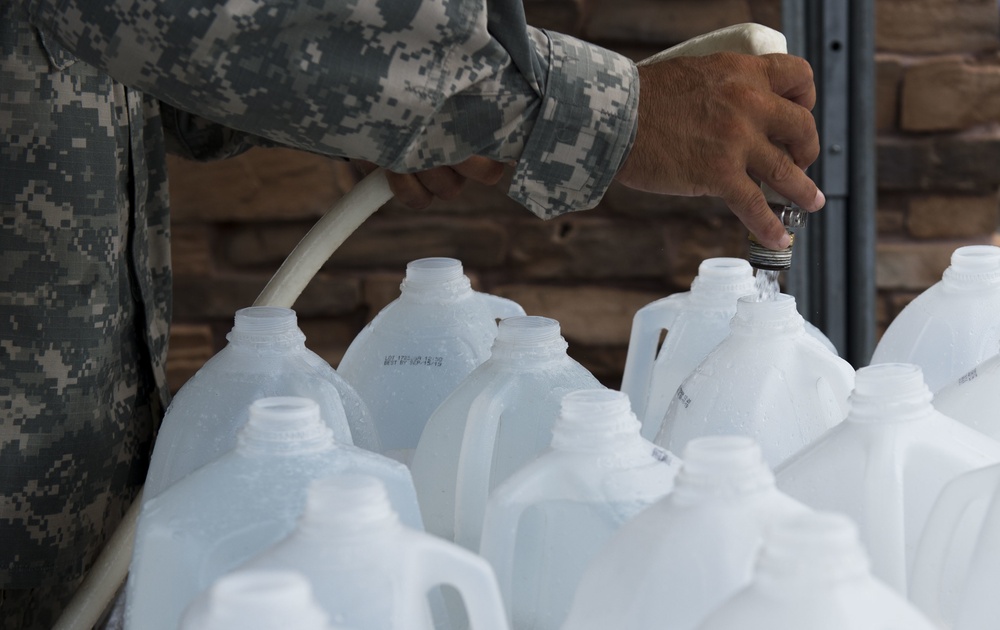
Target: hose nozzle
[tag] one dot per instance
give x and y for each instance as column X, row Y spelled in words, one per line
column 778, row 259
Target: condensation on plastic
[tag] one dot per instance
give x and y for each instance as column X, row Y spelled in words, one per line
column 237, row 506
column 768, row 379
column 544, row 525
column 266, row 356
column 953, row 326
column 813, row 573
column 497, row 420
column 420, row 347
column 370, row 571
column 957, row 566
column 695, row 322
column 886, row 463
column 683, row 556
column 973, row 399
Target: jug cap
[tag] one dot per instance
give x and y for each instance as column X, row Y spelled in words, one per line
column 724, row 278
column 769, row 316
column 812, row 546
column 973, row 266
column 257, row 598
column 284, row 425
column 889, row 392
column 594, row 420
column 721, row 465
column 347, row 505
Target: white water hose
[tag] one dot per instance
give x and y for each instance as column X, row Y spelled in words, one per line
column 109, row 571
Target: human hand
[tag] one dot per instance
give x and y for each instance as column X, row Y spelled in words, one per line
column 713, row 125
column 418, row 190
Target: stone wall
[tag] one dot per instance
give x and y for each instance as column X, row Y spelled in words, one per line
column 939, row 139
column 938, row 99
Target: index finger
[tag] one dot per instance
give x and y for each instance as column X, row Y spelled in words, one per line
column 791, row 77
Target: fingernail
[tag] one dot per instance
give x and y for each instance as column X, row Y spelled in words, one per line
column 785, row 241
column 819, row 201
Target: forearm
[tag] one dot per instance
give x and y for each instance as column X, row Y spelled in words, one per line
column 430, row 84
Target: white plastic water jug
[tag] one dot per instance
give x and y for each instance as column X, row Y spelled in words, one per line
column 695, row 322
column 953, row 326
column 235, row 507
column 768, row 379
column 258, row 600
column 545, row 524
column 420, row 347
column 813, row 574
column 498, row 419
column 957, row 568
column 266, row 356
column 369, row 571
column 687, row 553
column 974, row 398
column 886, row 463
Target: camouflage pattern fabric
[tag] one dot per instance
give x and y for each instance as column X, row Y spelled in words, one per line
column 407, row 84
column 85, row 285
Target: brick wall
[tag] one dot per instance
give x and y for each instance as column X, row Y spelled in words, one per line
column 235, row 221
column 939, row 139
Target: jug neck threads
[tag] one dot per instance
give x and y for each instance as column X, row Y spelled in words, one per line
column 435, row 279
column 889, row 392
column 528, row 336
column 973, row 266
column 722, row 280
column 258, row 598
column 594, row 421
column 769, row 317
column 809, row 548
column 347, row 506
column 284, row 425
column 263, row 327
column 721, row 466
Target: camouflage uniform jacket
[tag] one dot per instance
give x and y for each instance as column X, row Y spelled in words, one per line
column 84, row 290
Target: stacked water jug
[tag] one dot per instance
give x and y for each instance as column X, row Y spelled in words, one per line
column 745, row 476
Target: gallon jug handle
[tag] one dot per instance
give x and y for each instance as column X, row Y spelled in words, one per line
column 436, row 562
column 499, row 539
column 501, row 307
column 935, row 545
column 475, row 463
column 647, row 324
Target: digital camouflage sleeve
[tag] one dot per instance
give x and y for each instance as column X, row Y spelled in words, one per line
column 84, row 288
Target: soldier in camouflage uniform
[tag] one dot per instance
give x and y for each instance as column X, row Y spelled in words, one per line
column 408, row 84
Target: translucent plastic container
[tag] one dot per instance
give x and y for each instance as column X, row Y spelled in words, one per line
column 974, row 398
column 228, row 511
column 499, row 419
column 886, row 463
column 369, row 571
column 420, row 347
column 695, row 322
column 768, row 380
column 678, row 560
column 545, row 524
column 266, row 356
column 813, row 575
column 957, row 568
column 257, row 600
column 953, row 326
